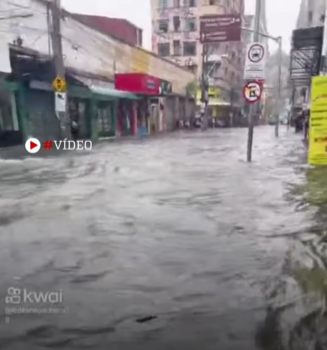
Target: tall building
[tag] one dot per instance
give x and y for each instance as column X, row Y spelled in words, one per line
column 248, row 22
column 311, row 14
column 306, row 59
column 175, row 36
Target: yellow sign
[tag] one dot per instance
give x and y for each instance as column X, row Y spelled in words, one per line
column 213, row 94
column 317, row 154
column 140, row 61
column 59, row 85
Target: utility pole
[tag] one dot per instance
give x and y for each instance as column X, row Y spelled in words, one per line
column 55, row 33
column 253, row 109
column 204, row 86
column 279, row 84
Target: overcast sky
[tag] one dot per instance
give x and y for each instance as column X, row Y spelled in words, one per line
column 281, row 14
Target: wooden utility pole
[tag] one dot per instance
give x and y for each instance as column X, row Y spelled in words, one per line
column 55, row 32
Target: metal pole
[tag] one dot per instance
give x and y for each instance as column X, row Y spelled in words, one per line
column 279, row 85
column 253, row 108
column 55, row 7
column 204, row 89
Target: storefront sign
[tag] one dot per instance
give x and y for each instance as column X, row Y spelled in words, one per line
column 214, row 94
column 137, row 83
column 317, row 154
column 165, row 87
column 140, row 61
column 150, row 85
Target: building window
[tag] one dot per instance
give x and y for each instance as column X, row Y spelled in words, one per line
column 310, row 18
column 177, row 3
column 189, row 48
column 190, row 25
column 163, row 26
column 177, row 50
column 163, row 4
column 164, row 49
column 192, row 69
column 190, row 3
column 177, row 23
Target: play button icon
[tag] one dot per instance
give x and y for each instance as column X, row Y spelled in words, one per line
column 32, row 145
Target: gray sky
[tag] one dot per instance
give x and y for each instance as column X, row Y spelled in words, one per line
column 281, row 14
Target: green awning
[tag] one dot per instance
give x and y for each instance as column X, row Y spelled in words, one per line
column 113, row 93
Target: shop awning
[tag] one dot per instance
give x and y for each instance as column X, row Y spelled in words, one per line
column 112, row 93
column 104, row 88
column 215, row 103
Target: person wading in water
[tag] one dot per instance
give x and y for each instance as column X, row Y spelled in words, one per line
column 74, row 129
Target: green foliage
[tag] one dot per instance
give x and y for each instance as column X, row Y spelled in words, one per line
column 191, row 88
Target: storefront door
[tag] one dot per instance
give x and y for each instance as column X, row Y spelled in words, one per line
column 105, row 117
column 78, row 113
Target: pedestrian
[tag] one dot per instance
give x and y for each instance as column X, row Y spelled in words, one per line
column 306, row 125
column 74, row 129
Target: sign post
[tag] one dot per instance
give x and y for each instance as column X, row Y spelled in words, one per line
column 255, row 62
column 215, row 29
column 252, row 92
column 255, row 53
column 59, row 86
column 220, row 28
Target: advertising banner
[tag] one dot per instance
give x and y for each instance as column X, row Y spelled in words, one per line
column 317, row 154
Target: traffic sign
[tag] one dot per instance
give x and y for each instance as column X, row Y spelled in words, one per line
column 59, row 84
column 60, row 101
column 252, row 92
column 256, row 53
column 220, row 28
column 255, row 61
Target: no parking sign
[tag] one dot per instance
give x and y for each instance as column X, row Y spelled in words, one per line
column 252, row 92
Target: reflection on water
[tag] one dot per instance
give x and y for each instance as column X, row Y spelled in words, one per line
column 307, row 265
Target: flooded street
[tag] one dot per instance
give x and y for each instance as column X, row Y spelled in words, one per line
column 167, row 243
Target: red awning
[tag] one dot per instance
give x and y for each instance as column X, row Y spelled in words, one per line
column 138, row 83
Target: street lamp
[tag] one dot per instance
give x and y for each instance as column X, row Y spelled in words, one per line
column 221, row 57
column 205, row 80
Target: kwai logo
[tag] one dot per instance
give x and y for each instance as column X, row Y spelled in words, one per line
column 22, row 295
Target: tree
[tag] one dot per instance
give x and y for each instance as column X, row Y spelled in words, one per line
column 191, row 88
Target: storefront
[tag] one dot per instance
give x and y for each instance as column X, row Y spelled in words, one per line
column 147, row 115
column 105, row 116
column 10, row 128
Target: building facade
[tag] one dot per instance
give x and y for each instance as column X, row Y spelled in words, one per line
column 93, row 61
column 118, row 27
column 175, row 36
column 311, row 14
column 247, row 36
